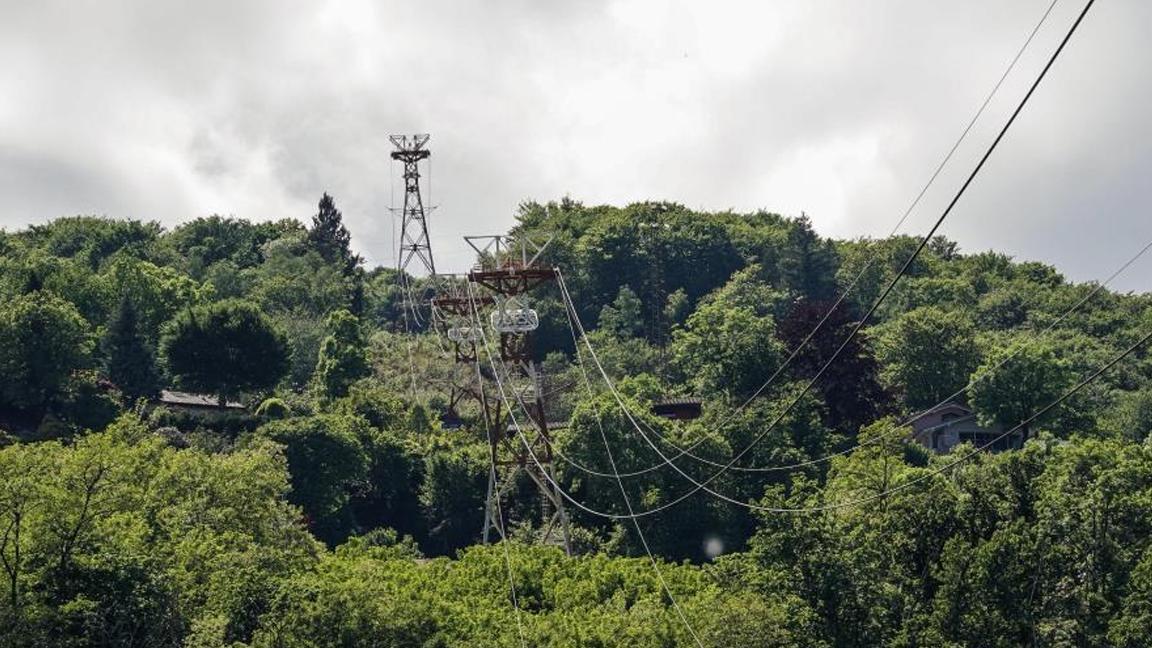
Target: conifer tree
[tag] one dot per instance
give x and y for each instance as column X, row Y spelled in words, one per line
column 330, row 238
column 808, row 264
column 129, row 362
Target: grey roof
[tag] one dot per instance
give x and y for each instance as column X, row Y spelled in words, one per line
column 949, row 423
column 188, row 399
column 939, row 408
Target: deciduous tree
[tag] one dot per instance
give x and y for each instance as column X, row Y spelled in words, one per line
column 1016, row 381
column 343, row 358
column 43, row 339
column 927, row 355
column 225, row 348
column 327, row 462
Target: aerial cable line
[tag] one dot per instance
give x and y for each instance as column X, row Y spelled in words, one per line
column 408, row 339
column 687, row 452
column 856, row 329
column 612, row 461
column 628, row 504
column 977, row 450
column 1052, row 325
column 640, row 533
column 410, row 297
column 500, row 520
column 907, row 212
column 847, row 503
column 895, row 228
column 851, row 285
column 875, row 305
column 844, row 294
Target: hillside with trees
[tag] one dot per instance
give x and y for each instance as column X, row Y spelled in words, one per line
column 229, row 434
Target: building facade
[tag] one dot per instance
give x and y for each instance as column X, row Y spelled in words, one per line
column 946, row 426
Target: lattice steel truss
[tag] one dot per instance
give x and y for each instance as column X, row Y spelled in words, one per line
column 414, row 241
column 508, row 268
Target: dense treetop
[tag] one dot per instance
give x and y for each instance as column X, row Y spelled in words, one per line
column 343, row 505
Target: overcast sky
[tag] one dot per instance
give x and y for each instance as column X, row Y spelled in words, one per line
column 167, row 111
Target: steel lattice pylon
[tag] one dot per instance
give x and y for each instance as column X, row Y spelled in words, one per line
column 509, row 268
column 414, row 241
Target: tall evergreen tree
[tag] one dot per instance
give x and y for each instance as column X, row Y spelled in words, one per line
column 129, row 360
column 330, row 238
column 808, row 265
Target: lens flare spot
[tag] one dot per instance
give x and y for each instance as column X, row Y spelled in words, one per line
column 713, row 546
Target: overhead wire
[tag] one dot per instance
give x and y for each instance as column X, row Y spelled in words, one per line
column 872, row 259
column 499, row 520
column 871, row 310
column 978, row 449
column 856, row 329
column 844, row 293
column 607, row 447
column 640, row 534
column 1097, row 287
column 838, row 505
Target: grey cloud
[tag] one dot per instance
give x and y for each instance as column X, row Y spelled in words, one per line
column 170, row 110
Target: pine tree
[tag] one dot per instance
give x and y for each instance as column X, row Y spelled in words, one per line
column 130, row 363
column 330, row 238
column 808, row 265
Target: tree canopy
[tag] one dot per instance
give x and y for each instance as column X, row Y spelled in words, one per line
column 327, row 480
column 42, row 339
column 130, row 364
column 343, row 358
column 225, row 348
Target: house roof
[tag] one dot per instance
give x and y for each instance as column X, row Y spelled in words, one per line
column 943, row 425
column 188, row 399
column 941, row 409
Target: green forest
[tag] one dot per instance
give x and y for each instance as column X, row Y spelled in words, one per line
column 237, row 434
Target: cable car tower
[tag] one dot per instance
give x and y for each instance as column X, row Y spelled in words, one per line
column 509, row 268
column 415, row 244
column 452, row 318
column 414, row 241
